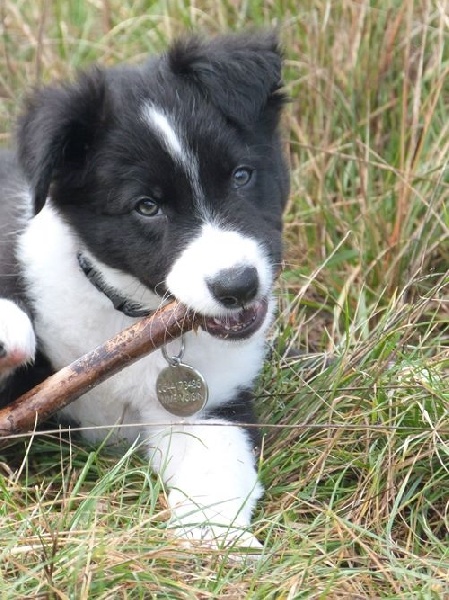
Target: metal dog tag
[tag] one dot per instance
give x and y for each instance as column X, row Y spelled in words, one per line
column 180, row 388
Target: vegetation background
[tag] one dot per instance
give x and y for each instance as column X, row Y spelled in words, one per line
column 355, row 455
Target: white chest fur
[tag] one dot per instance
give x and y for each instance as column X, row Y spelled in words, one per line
column 72, row 317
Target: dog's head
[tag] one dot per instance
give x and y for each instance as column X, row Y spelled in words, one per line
column 172, row 172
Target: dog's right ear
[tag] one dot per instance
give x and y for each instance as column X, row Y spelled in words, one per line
column 58, row 128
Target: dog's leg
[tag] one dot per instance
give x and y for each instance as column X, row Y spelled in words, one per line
column 17, row 339
column 210, row 471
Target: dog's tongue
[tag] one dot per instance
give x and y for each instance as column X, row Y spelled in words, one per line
column 240, row 325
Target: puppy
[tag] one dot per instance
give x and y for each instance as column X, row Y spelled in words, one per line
column 129, row 187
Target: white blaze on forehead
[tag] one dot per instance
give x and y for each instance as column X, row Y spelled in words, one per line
column 167, row 130
column 160, row 124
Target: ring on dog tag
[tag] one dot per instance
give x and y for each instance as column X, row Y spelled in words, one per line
column 180, row 388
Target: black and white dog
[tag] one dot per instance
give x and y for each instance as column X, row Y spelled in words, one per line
column 131, row 186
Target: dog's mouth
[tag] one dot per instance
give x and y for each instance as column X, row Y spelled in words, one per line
column 239, row 325
column 236, row 325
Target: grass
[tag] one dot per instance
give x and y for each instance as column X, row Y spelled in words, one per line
column 355, row 455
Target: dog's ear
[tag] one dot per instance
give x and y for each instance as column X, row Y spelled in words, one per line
column 240, row 74
column 57, row 129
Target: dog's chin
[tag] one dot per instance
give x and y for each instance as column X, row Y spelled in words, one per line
column 238, row 325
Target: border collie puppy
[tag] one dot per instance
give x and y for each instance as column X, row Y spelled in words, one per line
column 129, row 187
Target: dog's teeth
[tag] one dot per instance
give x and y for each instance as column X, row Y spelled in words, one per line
column 234, row 324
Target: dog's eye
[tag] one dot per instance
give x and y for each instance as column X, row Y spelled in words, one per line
column 242, row 176
column 147, row 207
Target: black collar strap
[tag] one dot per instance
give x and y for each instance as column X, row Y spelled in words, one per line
column 121, row 303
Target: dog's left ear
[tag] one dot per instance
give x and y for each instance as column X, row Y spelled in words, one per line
column 57, row 129
column 240, row 74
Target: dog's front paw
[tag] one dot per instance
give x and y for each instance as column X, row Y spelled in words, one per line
column 205, row 526
column 219, row 537
column 17, row 339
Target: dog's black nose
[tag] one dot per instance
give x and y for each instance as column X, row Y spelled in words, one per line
column 234, row 287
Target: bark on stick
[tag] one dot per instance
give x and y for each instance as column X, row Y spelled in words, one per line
column 71, row 382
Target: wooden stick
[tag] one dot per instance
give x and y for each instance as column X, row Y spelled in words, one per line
column 83, row 374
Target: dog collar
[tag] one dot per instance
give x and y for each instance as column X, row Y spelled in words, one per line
column 121, row 303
